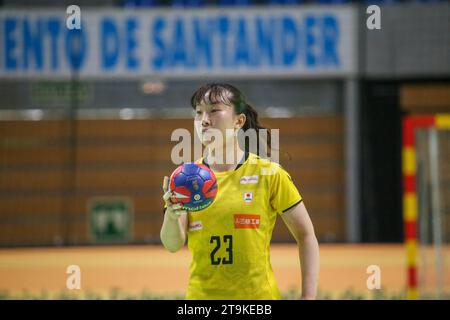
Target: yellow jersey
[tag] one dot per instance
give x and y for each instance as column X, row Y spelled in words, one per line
column 230, row 239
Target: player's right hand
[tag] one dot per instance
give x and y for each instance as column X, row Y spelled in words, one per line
column 174, row 210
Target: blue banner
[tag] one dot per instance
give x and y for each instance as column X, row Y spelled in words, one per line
column 311, row 41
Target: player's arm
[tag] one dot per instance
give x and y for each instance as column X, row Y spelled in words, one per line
column 299, row 223
column 174, row 228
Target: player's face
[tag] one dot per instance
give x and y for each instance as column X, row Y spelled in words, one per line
column 214, row 119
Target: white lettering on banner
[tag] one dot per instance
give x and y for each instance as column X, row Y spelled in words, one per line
column 310, row 41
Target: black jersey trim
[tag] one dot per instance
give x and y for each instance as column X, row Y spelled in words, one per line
column 292, row 206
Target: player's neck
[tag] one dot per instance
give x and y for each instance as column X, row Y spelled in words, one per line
column 226, row 159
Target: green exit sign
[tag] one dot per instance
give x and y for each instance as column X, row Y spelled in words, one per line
column 110, row 220
column 55, row 93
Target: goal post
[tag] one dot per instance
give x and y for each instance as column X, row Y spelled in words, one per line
column 426, row 204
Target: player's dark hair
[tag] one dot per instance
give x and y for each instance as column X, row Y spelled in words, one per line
column 215, row 93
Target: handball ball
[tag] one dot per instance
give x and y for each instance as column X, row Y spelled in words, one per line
column 194, row 186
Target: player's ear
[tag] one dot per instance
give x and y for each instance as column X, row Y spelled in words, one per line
column 240, row 120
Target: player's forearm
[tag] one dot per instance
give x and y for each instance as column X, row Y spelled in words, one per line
column 309, row 261
column 172, row 234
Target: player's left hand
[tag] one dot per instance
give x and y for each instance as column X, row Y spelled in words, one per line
column 168, row 196
column 174, row 210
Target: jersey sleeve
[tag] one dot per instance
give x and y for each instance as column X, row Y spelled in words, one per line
column 283, row 192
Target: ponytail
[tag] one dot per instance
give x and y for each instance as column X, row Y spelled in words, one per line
column 252, row 122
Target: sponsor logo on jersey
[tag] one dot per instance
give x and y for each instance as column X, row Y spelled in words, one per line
column 248, row 196
column 249, row 179
column 246, row 221
column 196, row 225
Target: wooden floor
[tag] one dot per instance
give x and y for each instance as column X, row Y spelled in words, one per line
column 151, row 268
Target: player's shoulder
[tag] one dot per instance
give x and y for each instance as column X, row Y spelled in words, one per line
column 266, row 166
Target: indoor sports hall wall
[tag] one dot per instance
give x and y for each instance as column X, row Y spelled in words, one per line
column 52, row 169
column 330, row 112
